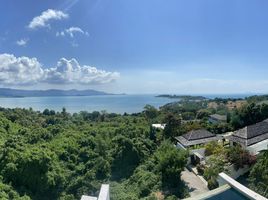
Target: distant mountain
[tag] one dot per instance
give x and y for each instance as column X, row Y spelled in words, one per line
column 8, row 92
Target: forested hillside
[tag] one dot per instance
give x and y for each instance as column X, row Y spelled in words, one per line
column 58, row 155
column 52, row 155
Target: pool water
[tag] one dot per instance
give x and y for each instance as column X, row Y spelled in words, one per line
column 230, row 194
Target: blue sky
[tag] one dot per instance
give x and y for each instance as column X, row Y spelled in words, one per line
column 135, row 46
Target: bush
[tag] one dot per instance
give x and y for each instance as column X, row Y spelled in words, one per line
column 213, row 148
column 258, row 178
column 212, row 184
column 200, row 169
column 239, row 157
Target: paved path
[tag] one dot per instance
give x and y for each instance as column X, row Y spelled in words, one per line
column 196, row 186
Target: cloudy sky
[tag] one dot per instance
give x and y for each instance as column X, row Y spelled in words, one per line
column 135, row 46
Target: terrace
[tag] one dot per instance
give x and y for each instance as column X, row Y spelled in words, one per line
column 229, row 189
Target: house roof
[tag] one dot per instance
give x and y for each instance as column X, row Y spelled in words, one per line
column 251, row 134
column 198, row 134
column 219, row 117
column 195, row 137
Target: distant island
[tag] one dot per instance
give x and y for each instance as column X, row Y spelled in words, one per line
column 183, row 97
column 8, row 92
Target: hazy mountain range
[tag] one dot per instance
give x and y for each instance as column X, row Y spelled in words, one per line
column 8, row 92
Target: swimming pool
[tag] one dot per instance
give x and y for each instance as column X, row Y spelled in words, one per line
column 230, row 194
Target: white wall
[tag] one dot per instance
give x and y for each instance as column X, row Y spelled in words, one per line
column 104, row 192
column 239, row 187
column 236, row 173
column 103, row 195
column 256, row 148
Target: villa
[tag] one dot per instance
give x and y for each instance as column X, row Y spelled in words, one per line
column 196, row 137
column 253, row 138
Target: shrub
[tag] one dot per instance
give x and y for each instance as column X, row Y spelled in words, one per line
column 213, row 148
column 212, row 184
column 200, row 169
column 239, row 157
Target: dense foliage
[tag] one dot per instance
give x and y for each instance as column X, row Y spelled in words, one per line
column 220, row 158
column 249, row 114
column 259, row 175
column 56, row 155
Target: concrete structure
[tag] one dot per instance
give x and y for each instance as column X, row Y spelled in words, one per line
column 197, row 156
column 210, row 194
column 256, row 148
column 88, row 198
column 227, row 184
column 104, row 192
column 194, row 183
column 103, row 195
column 235, row 173
column 225, row 179
column 159, row 126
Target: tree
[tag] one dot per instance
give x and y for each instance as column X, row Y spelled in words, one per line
column 264, row 110
column 126, row 157
column 62, row 156
column 213, row 148
column 238, row 156
column 215, row 165
column 63, row 111
column 150, row 112
column 203, row 113
column 173, row 125
column 249, row 114
column 258, row 176
column 170, row 163
column 31, row 169
column 46, row 112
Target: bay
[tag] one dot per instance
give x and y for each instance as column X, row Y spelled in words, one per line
column 109, row 103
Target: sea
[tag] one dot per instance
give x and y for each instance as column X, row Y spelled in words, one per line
column 110, row 103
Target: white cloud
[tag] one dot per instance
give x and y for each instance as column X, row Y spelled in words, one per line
column 71, row 31
column 61, row 33
column 70, row 71
column 28, row 71
column 45, row 17
column 22, row 42
column 21, row 70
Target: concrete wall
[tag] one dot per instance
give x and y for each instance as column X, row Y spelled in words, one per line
column 225, row 179
column 103, row 195
column 104, row 192
column 236, row 173
column 84, row 197
column 256, row 148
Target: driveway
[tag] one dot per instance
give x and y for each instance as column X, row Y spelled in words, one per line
column 195, row 185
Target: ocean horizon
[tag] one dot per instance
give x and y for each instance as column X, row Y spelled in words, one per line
column 127, row 103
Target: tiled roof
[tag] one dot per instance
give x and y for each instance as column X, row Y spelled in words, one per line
column 198, row 134
column 197, row 137
column 251, row 134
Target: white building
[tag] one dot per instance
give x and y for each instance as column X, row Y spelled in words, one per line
column 159, row 126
